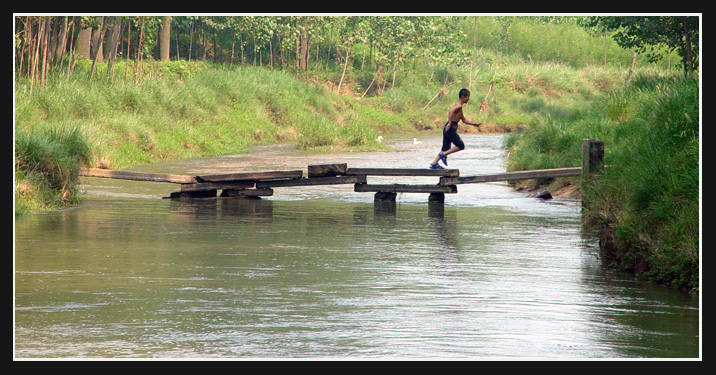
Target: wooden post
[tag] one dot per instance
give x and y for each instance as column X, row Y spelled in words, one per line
column 436, row 198
column 592, row 162
column 592, row 157
column 384, row 196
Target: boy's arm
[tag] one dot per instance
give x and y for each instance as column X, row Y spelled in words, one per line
column 464, row 120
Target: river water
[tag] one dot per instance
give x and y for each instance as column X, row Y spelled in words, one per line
column 323, row 272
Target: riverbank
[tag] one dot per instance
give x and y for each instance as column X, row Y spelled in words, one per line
column 646, row 205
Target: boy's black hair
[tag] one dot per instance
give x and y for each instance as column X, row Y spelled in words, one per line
column 463, row 92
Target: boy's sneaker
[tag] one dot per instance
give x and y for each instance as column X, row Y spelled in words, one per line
column 436, row 166
column 443, row 158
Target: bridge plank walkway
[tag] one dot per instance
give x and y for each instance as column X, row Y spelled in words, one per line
column 262, row 183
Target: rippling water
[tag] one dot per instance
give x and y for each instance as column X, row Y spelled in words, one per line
column 326, row 273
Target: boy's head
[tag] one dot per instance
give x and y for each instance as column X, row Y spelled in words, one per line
column 464, row 94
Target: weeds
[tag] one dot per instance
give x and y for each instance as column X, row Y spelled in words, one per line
column 47, row 165
column 648, row 197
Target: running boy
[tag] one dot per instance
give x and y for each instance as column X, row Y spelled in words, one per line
column 450, row 130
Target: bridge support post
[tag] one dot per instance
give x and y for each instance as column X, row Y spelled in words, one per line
column 436, row 198
column 384, row 196
column 592, row 163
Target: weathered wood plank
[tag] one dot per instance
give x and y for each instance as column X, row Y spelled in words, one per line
column 269, row 175
column 513, row 176
column 217, row 185
column 137, row 176
column 326, row 170
column 403, row 172
column 402, row 188
column 312, row 181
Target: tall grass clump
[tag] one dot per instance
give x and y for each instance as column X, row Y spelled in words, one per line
column 646, row 203
column 47, row 164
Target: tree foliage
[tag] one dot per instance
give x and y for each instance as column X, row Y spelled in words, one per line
column 654, row 35
column 382, row 44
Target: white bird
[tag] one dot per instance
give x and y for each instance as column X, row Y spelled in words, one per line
column 380, row 138
column 417, row 142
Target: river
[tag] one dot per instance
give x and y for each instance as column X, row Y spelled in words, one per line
column 323, row 272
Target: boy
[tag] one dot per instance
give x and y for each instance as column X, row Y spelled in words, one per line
column 450, row 130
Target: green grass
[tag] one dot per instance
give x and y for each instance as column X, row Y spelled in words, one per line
column 646, row 203
column 47, row 166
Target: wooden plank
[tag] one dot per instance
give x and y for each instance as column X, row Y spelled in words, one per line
column 137, row 176
column 326, row 170
column 217, row 185
column 269, row 175
column 514, row 176
column 312, row 181
column 403, row 172
column 402, row 188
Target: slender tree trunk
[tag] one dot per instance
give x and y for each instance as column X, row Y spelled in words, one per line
column 36, row 58
column 45, row 52
column 688, row 64
column 96, row 53
column 129, row 42
column 71, row 61
column 61, row 47
column 115, row 30
column 97, row 47
column 345, row 66
column 138, row 56
column 631, row 70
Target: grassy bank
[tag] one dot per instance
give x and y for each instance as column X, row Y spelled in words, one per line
column 186, row 109
column 47, row 167
column 645, row 206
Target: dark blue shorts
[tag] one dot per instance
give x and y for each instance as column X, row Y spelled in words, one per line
column 451, row 136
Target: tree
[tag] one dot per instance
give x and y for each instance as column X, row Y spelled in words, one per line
column 164, row 38
column 655, row 35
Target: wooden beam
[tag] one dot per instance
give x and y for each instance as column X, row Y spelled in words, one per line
column 403, row 172
column 401, row 188
column 137, row 176
column 217, row 185
column 312, row 181
column 513, row 176
column 270, row 175
column 326, row 170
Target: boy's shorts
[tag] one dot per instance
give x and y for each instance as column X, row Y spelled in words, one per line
column 451, row 136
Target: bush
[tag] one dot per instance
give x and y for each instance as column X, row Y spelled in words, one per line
column 48, row 162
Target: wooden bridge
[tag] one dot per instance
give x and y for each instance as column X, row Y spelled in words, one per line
column 258, row 184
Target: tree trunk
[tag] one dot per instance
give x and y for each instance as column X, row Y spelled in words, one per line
column 96, row 51
column 84, row 42
column 97, row 37
column 303, row 61
column 688, row 64
column 61, row 47
column 115, row 33
column 631, row 70
column 344, row 72
column 164, row 38
column 138, row 56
